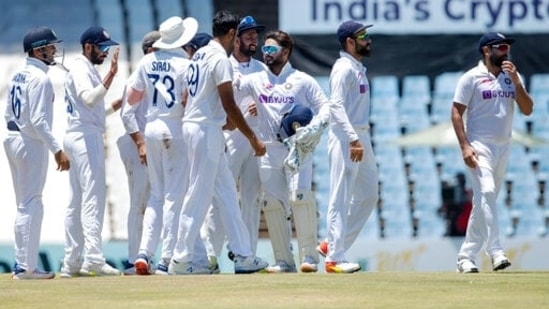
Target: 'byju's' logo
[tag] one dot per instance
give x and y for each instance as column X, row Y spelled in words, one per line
column 489, row 94
column 263, row 98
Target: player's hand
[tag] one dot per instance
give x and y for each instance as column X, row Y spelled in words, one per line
column 470, row 156
column 142, row 151
column 259, row 147
column 508, row 67
column 114, row 60
column 63, row 163
column 229, row 125
column 357, row 151
column 252, row 109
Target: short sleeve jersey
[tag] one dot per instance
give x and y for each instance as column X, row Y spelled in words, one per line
column 490, row 104
column 81, row 77
column 210, row 67
column 276, row 95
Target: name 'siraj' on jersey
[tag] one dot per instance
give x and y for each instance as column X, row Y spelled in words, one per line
column 160, row 66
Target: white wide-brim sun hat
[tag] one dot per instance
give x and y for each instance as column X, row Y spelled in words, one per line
column 176, row 32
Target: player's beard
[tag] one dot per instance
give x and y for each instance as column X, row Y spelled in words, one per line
column 247, row 51
column 48, row 59
column 274, row 60
column 498, row 61
column 363, row 50
column 96, row 58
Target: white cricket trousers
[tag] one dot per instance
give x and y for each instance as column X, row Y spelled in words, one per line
column 87, row 197
column 167, row 166
column 486, row 181
column 28, row 160
column 210, row 183
column 139, row 190
column 353, row 192
column 244, row 167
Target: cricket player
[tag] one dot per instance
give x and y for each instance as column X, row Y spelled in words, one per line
column 240, row 155
column 276, row 91
column 488, row 93
column 29, row 118
column 210, row 108
column 353, row 170
column 160, row 84
column 84, row 95
column 133, row 118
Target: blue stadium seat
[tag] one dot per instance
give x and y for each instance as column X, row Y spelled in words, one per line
column 539, row 83
column 417, row 89
column 385, row 87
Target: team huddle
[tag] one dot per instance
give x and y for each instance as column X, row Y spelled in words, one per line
column 213, row 138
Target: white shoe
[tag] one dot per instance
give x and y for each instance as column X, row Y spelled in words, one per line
column 69, row 271
column 466, row 266
column 249, row 264
column 188, row 268
column 500, row 262
column 22, row 274
column 309, row 265
column 98, row 269
column 281, row 267
column 341, row 267
column 213, row 265
column 161, row 269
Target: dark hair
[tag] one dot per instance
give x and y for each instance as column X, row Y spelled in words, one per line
column 283, row 38
column 223, row 22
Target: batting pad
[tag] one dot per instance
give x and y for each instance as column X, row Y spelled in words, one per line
column 279, row 230
column 305, row 218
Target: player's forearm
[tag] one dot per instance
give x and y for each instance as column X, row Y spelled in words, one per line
column 524, row 101
column 459, row 128
column 236, row 117
column 113, row 107
column 137, row 138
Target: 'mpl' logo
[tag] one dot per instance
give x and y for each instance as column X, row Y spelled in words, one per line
column 490, row 94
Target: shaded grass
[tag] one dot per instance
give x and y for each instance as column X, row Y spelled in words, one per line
column 360, row 290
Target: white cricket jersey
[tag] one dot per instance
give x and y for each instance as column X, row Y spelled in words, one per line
column 240, row 69
column 209, row 68
column 350, row 96
column 133, row 116
column 490, row 102
column 162, row 75
column 83, row 76
column 276, row 95
column 30, row 103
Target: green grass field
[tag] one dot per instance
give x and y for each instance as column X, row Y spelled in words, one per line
column 360, row 290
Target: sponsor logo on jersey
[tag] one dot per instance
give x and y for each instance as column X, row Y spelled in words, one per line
column 492, row 94
column 362, row 88
column 263, row 98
